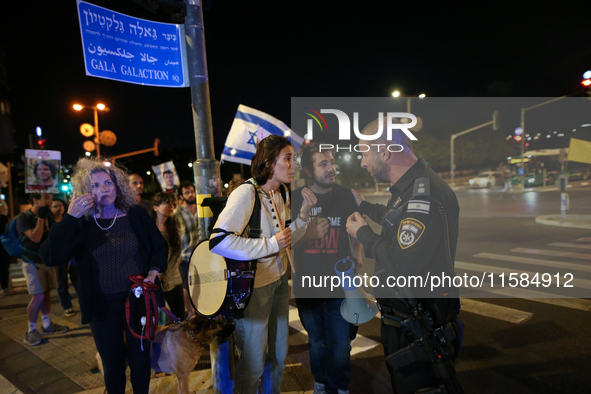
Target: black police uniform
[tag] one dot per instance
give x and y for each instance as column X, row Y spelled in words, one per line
column 419, row 237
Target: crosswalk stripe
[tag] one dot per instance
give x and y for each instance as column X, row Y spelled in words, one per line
column 541, row 263
column 570, row 245
column 545, row 298
column 495, row 311
column 359, row 345
column 576, row 283
column 555, row 253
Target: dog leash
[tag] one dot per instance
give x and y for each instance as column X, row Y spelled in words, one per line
column 148, row 322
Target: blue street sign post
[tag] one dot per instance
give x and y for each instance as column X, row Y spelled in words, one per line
column 133, row 50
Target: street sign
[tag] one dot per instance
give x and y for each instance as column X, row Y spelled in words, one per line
column 86, row 130
column 88, row 146
column 127, row 49
column 108, row 138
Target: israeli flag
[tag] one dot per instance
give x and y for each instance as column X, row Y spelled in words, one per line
column 247, row 129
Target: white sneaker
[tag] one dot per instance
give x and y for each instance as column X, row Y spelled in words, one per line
column 319, row 388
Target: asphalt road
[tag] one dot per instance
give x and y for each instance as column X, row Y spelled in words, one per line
column 511, row 345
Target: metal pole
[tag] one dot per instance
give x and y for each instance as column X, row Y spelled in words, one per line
column 453, row 137
column 451, row 168
column 206, row 169
column 522, row 147
column 97, row 140
column 11, row 197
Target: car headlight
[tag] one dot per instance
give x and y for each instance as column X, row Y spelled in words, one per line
column 471, row 181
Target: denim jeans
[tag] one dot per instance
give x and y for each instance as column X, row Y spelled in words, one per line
column 262, row 339
column 329, row 335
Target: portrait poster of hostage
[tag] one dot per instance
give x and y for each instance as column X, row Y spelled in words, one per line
column 167, row 177
column 42, row 169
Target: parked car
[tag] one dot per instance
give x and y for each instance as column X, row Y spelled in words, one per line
column 487, row 179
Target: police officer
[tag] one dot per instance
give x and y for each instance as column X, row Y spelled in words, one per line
column 419, row 237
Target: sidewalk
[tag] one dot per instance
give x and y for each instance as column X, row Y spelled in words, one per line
column 575, row 221
column 64, row 363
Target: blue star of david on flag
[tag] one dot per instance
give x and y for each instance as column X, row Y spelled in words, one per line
column 249, row 127
column 251, row 140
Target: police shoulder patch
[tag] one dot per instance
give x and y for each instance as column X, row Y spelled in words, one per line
column 409, row 232
column 418, row 206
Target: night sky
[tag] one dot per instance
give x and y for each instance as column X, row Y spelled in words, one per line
column 262, row 53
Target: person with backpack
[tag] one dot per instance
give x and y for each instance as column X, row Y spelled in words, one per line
column 262, row 332
column 33, row 226
column 4, row 256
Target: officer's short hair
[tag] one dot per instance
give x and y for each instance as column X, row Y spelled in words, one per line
column 398, row 137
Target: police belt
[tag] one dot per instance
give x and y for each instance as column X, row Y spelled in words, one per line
column 422, row 349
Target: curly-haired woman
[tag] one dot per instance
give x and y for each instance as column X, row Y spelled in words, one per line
column 110, row 239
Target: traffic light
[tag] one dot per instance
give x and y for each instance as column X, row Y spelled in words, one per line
column 586, row 82
column 41, row 141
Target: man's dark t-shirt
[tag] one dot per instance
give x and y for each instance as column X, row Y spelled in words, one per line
column 319, row 257
column 25, row 221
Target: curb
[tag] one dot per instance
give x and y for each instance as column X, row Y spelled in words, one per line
column 7, row 387
column 578, row 221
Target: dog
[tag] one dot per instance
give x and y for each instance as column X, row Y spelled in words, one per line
column 177, row 348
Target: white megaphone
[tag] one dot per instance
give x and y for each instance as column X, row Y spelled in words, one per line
column 358, row 307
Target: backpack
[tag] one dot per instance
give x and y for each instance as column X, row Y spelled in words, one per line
column 11, row 241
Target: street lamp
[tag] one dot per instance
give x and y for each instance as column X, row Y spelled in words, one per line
column 396, row 93
column 96, row 108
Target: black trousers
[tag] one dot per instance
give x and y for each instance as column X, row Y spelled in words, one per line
column 108, row 329
column 176, row 301
column 63, row 291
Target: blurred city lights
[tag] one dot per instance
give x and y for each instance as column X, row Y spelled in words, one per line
column 347, row 157
column 422, row 95
column 226, row 185
column 190, row 164
column 233, row 152
column 65, row 188
column 148, row 172
column 38, row 131
column 518, row 131
column 587, row 74
column 77, row 107
column 287, row 133
column 100, row 106
column 396, row 93
column 87, row 153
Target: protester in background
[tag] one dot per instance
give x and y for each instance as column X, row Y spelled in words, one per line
column 111, row 239
column 136, row 184
column 4, row 256
column 46, row 174
column 262, row 333
column 34, row 224
column 185, row 216
column 58, row 208
column 163, row 205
